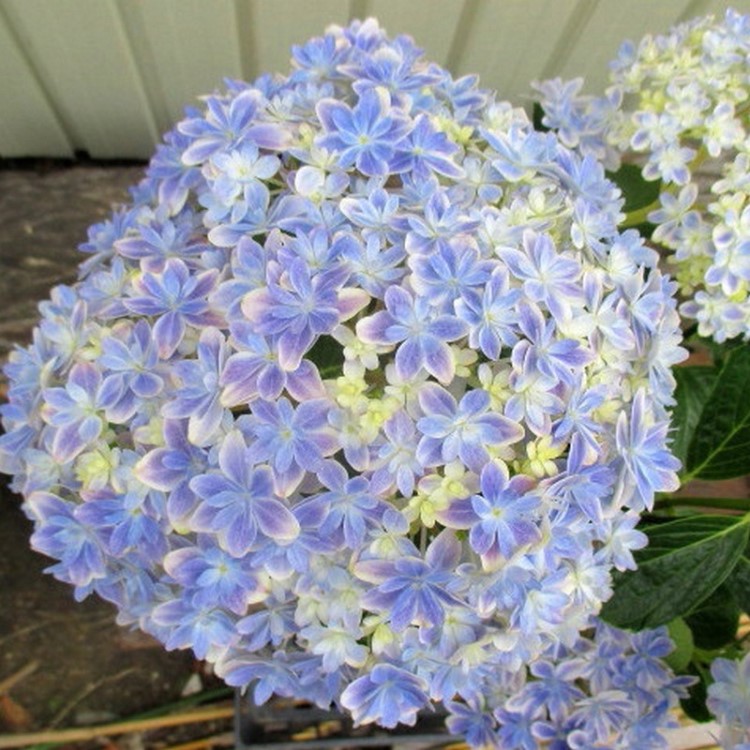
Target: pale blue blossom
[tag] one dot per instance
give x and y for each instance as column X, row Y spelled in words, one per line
column 362, row 397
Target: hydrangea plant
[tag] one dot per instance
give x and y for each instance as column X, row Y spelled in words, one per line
column 678, row 105
column 674, row 124
column 361, row 399
column 729, row 699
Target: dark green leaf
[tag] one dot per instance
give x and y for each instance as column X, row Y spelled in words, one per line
column 738, row 583
column 537, row 114
column 645, row 229
column 682, row 637
column 686, row 560
column 328, row 355
column 694, row 385
column 715, row 620
column 638, row 193
column 695, row 705
column 719, row 351
column 720, row 447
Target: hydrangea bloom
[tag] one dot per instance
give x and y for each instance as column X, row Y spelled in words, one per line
column 358, row 401
column 678, row 105
column 729, row 699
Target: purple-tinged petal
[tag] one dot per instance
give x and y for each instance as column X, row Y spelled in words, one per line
column 435, row 400
column 375, row 329
column 439, row 361
column 168, row 333
column 151, row 470
column 276, row 521
column 233, row 457
column 409, row 358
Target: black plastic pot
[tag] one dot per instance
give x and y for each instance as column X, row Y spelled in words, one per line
column 291, row 725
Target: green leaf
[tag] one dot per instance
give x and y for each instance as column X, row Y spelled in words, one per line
column 715, row 620
column 638, row 192
column 682, row 637
column 720, row 445
column 719, row 351
column 537, row 114
column 694, row 705
column 685, row 561
column 738, row 583
column 327, row 354
column 694, row 386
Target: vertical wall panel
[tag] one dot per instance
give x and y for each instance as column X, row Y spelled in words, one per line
column 28, row 124
column 109, row 76
column 183, row 49
column 432, row 23
column 84, row 62
column 611, row 23
column 273, row 27
column 717, row 7
column 510, row 42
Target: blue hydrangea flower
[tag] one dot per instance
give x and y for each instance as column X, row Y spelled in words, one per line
column 169, row 468
column 215, row 575
column 77, row 411
column 156, row 244
column 729, row 695
column 462, row 430
column 176, row 299
column 502, row 518
column 364, row 135
column 645, row 459
column 291, row 439
column 306, row 307
column 228, row 123
column 491, row 314
column 422, row 332
column 410, row 590
column 350, row 401
column 671, row 131
column 388, row 695
column 198, row 397
column 62, row 536
column 239, row 503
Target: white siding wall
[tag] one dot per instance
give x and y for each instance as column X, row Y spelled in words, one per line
column 109, row 76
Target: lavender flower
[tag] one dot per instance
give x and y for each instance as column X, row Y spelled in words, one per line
column 239, row 503
column 78, row 411
column 344, row 402
column 176, row 299
column 424, row 332
column 388, row 695
column 729, row 699
column 364, row 135
column 671, row 130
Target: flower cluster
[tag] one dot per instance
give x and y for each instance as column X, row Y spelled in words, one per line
column 361, row 399
column 729, row 700
column 678, row 104
column 609, row 690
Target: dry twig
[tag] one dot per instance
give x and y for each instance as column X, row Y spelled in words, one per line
column 61, row 736
column 85, row 693
column 16, row 677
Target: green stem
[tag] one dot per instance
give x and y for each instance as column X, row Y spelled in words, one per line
column 639, row 216
column 717, row 503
